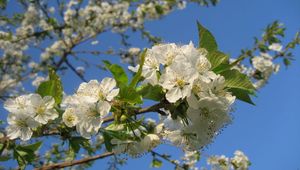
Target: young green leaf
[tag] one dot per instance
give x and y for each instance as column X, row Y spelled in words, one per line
column 118, row 73
column 136, row 78
column 206, row 39
column 156, row 163
column 130, row 95
column 241, row 95
column 235, row 79
column 25, row 154
column 78, row 142
column 53, row 87
column 33, row 147
column 216, row 58
column 108, row 135
column 107, row 139
column 151, row 92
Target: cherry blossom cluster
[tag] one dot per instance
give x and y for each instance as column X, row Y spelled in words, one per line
column 262, row 66
column 89, row 105
column 239, row 162
column 27, row 113
column 184, row 74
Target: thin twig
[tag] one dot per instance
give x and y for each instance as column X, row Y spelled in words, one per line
column 75, row 71
column 75, row 162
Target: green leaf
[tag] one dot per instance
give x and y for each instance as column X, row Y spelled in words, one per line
column 136, row 78
column 179, row 110
column 286, row 62
column 159, row 9
column 129, row 94
column 206, row 39
column 108, row 135
column 241, row 95
column 151, row 92
column 78, row 142
column 221, row 68
column 216, row 58
column 21, row 161
column 107, row 139
column 156, row 163
column 25, row 154
column 53, row 87
column 118, row 73
column 235, row 79
column 32, row 147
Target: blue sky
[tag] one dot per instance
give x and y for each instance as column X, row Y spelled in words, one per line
column 269, row 133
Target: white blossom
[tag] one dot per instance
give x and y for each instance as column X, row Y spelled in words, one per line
column 264, row 64
column 80, row 70
column 94, row 91
column 240, row 161
column 38, row 80
column 43, row 108
column 276, row 47
column 178, row 81
column 70, row 118
column 150, row 141
column 94, row 42
column 20, row 125
column 134, row 51
column 21, row 104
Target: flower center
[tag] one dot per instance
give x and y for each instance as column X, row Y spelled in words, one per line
column 92, row 113
column 40, row 110
column 101, row 96
column 180, row 83
column 21, row 123
column 169, row 59
column 196, row 88
column 71, row 118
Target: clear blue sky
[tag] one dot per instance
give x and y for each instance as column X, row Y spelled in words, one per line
column 269, row 133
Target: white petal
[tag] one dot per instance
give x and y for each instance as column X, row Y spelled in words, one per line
column 26, row 134
column 112, row 94
column 13, row 132
column 108, row 84
column 49, row 102
column 36, row 100
column 174, row 94
column 186, row 91
column 11, row 106
column 103, row 108
column 41, row 119
column 193, row 101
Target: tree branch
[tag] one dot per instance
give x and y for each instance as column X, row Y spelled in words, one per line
column 75, row 162
column 167, row 158
column 75, row 71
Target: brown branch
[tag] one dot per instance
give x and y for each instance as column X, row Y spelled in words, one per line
column 36, row 34
column 75, row 162
column 75, row 71
column 167, row 158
